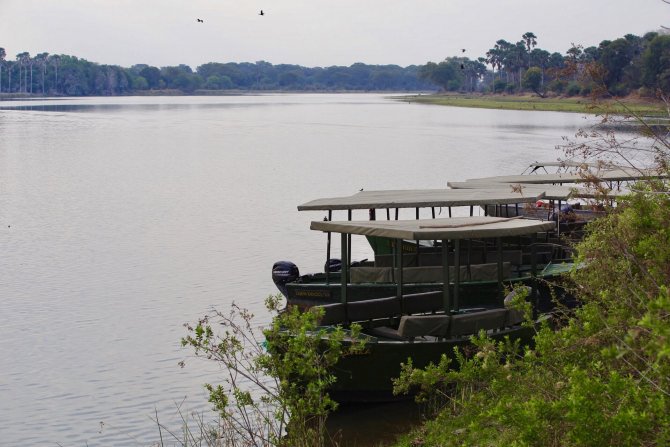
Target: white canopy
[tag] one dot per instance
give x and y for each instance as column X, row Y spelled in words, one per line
column 549, row 192
column 417, row 198
column 613, row 175
column 437, row 229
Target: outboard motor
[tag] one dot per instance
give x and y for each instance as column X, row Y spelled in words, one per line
column 333, row 265
column 284, row 272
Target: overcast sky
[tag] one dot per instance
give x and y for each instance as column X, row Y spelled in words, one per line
column 310, row 32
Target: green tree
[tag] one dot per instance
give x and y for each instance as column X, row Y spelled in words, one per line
column 54, row 60
column 532, row 80
column 152, row 75
column 656, row 64
column 447, row 74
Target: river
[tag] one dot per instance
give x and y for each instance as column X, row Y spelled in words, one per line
column 121, row 219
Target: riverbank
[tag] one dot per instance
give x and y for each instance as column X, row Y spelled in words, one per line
column 640, row 106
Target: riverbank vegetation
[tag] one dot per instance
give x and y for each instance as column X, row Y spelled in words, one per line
column 637, row 105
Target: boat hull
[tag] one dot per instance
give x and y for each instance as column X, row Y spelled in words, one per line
column 368, row 377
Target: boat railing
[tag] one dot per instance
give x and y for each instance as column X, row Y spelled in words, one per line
column 429, row 274
column 417, row 315
column 474, row 256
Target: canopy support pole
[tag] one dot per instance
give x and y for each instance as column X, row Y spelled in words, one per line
column 500, row 268
column 446, row 298
column 344, row 244
column 533, row 273
column 330, row 217
column 399, row 264
column 457, row 271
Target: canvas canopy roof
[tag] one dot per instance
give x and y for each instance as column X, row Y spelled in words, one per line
column 614, row 175
column 550, row 192
column 416, row 198
column 437, row 229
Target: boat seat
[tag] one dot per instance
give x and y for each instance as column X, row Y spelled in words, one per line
column 422, row 325
column 421, row 303
column 333, row 314
column 385, row 332
column 373, row 309
column 360, row 275
column 471, row 323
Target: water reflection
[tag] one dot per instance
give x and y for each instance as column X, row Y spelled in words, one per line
column 373, row 425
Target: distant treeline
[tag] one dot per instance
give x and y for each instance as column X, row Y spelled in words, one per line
column 618, row 67
column 627, row 64
column 70, row 76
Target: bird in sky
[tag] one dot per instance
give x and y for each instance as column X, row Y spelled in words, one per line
column 261, row 13
column 462, row 50
column 200, row 20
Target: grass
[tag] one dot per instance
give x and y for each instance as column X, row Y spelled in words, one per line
column 527, row 102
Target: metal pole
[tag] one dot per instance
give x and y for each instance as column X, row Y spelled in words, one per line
column 446, row 298
column 345, row 267
column 457, row 271
column 533, row 273
column 500, row 268
column 330, row 217
column 398, row 244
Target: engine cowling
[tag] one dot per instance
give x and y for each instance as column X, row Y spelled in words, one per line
column 284, row 272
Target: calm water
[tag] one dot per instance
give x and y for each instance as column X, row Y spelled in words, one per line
column 123, row 218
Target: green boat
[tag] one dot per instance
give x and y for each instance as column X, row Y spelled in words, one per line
column 472, row 261
column 423, row 326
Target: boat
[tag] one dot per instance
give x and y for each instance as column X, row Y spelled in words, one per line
column 421, row 259
column 423, row 326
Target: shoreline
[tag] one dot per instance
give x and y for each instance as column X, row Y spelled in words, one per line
column 640, row 106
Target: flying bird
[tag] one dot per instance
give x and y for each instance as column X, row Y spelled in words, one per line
column 200, row 20
column 462, row 50
column 261, row 13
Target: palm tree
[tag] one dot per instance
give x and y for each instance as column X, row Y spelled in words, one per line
column 3, row 54
column 19, row 59
column 24, row 59
column 54, row 59
column 41, row 60
column 530, row 40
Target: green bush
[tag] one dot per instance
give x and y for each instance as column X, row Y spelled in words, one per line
column 602, row 379
column 499, row 86
column 557, row 86
column 276, row 383
column 573, row 89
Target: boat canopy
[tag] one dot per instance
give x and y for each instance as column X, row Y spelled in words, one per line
column 613, row 175
column 454, row 228
column 417, row 198
column 549, row 192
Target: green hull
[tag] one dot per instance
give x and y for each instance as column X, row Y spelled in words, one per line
column 368, row 377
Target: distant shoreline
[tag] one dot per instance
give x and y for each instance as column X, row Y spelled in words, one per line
column 641, row 106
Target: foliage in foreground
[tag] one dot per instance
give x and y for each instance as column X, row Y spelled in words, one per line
column 276, row 381
column 603, row 379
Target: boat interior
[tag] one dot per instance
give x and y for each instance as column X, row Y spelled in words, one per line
column 418, row 316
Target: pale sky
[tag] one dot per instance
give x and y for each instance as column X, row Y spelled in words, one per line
column 310, row 32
